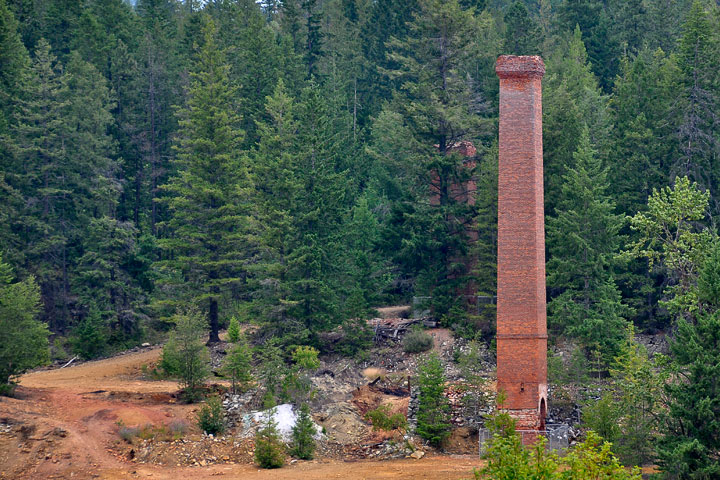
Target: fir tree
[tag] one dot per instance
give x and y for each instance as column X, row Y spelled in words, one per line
column 238, row 365
column 433, row 422
column 303, row 433
column 269, row 449
column 23, row 339
column 209, row 234
column 691, row 434
column 583, row 240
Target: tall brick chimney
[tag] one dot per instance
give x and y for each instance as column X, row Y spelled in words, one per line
column 521, row 316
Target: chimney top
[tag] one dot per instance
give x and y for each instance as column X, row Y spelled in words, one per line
column 509, row 66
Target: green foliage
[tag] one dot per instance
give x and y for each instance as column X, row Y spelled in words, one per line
column 417, row 340
column 306, row 357
column 238, row 365
column 691, row 424
column 709, row 280
column 671, row 236
column 507, row 458
column 210, row 230
column 185, row 355
column 233, row 331
column 303, row 435
column 382, row 418
column 211, row 417
column 23, row 339
column 433, row 422
column 269, row 449
column 638, row 382
column 583, row 240
column 602, row 417
column 89, row 337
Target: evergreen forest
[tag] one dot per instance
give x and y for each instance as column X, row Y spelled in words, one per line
column 292, row 164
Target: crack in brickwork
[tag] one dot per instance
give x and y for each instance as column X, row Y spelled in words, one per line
column 521, row 303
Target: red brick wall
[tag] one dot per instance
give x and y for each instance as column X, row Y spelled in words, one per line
column 521, row 317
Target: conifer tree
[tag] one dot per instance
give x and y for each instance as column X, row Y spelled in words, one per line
column 209, row 238
column 522, row 35
column 23, row 339
column 699, row 130
column 691, row 434
column 15, row 61
column 433, row 422
column 583, row 240
column 303, row 433
column 439, row 107
column 39, row 145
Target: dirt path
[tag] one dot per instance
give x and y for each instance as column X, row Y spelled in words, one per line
column 65, row 422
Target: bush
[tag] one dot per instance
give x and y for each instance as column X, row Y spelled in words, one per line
column 382, row 419
column 233, row 330
column 508, row 458
column 303, row 435
column 211, row 417
column 269, row 449
column 417, row 341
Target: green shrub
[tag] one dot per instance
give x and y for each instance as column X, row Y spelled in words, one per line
column 507, row 457
column 417, row 341
column 382, row 419
column 211, row 417
column 233, row 330
column 303, row 435
column 269, row 449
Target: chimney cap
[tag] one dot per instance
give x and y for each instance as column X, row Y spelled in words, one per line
column 508, row 66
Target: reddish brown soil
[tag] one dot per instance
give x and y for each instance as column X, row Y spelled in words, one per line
column 65, row 423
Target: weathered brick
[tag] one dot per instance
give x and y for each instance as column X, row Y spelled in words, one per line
column 521, row 316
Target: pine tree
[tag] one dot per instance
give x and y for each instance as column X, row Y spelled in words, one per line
column 185, row 355
column 433, row 423
column 238, row 365
column 23, row 339
column 15, row 61
column 571, row 99
column 269, row 449
column 522, row 35
column 691, row 425
column 699, row 131
column 439, row 107
column 583, row 240
column 209, row 233
column 303, row 433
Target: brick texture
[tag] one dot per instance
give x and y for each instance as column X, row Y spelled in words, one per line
column 521, row 316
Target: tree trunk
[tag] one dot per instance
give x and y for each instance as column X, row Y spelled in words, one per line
column 214, row 324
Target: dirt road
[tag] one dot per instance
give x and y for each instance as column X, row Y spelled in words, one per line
column 64, row 425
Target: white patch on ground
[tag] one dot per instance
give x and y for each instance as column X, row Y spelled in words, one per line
column 285, row 418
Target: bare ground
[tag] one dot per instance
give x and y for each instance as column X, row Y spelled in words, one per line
column 64, row 425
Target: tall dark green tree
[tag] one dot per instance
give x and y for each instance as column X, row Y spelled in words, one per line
column 440, row 108
column 699, row 130
column 688, row 449
column 522, row 34
column 583, row 240
column 209, row 238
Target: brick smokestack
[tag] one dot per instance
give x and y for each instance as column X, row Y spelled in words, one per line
column 521, row 316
